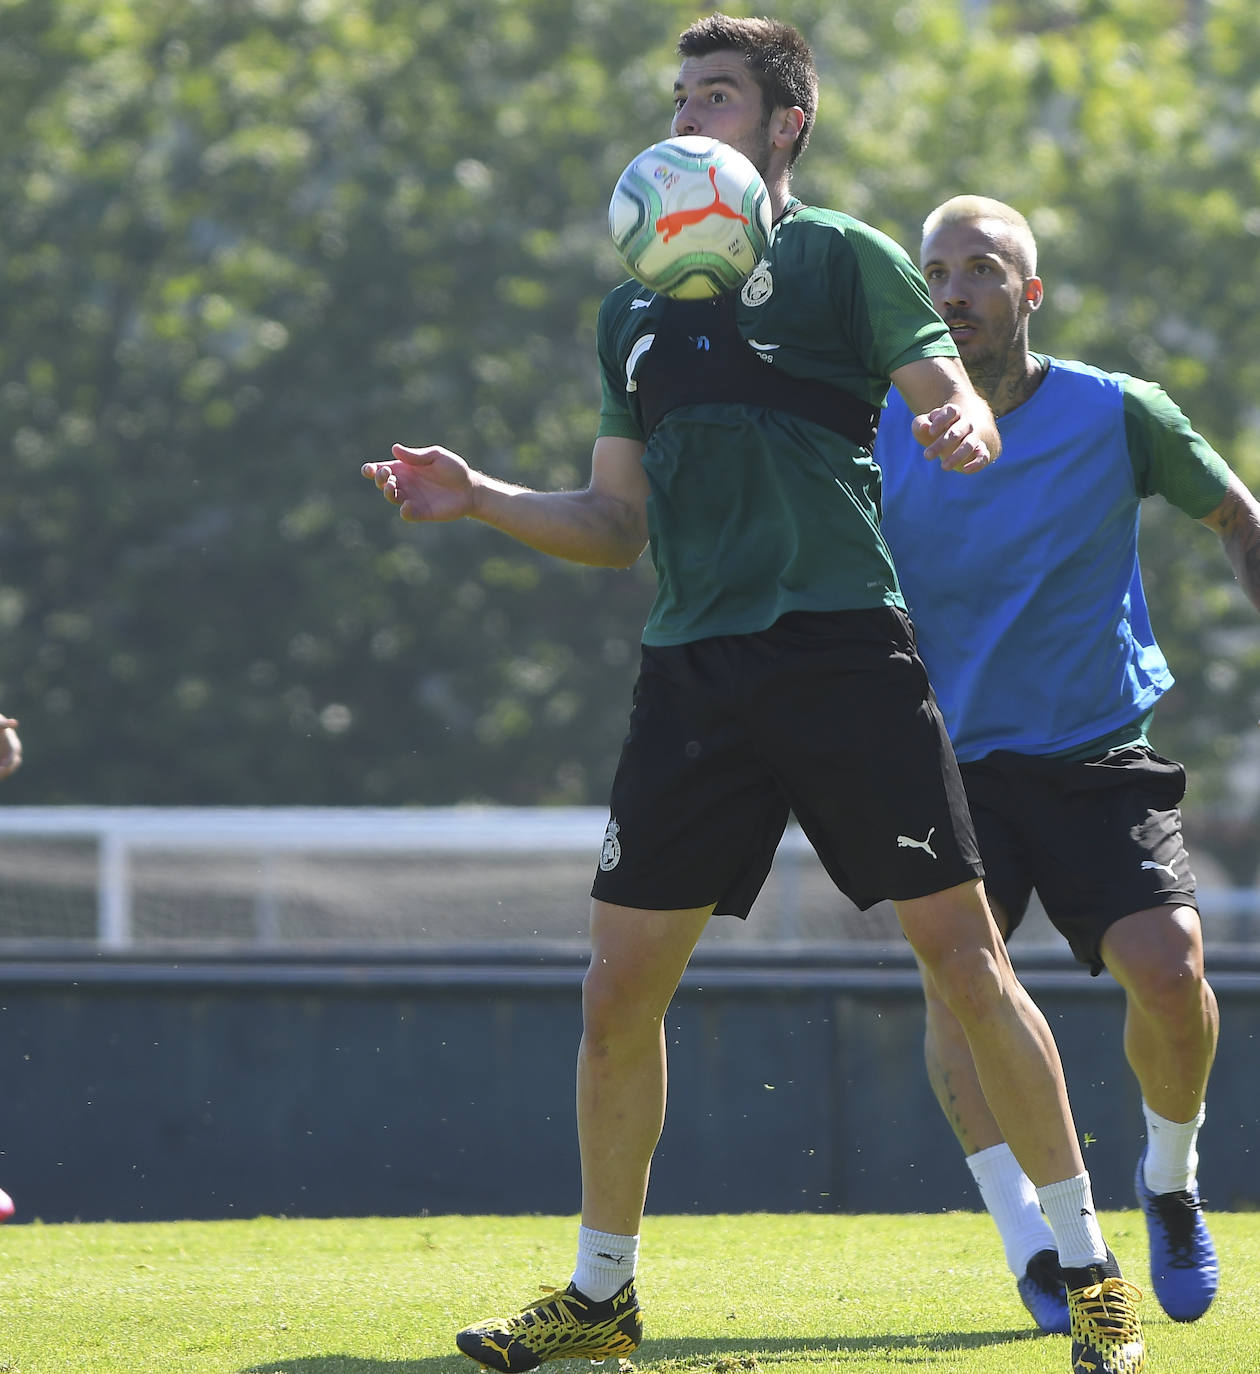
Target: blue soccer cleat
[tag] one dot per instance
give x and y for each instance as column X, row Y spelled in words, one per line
column 1184, row 1269
column 1044, row 1294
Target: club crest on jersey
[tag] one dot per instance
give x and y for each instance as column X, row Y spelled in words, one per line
column 759, row 287
column 610, row 855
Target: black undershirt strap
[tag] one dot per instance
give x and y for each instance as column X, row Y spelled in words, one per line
column 699, row 356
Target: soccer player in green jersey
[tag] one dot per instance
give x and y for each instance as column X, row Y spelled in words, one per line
column 778, row 674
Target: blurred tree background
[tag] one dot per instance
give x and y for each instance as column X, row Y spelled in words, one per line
column 247, row 244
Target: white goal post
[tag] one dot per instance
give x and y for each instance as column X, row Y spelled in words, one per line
column 123, row 834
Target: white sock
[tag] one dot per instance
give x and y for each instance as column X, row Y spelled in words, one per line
column 1069, row 1208
column 604, row 1262
column 1172, row 1156
column 1012, row 1202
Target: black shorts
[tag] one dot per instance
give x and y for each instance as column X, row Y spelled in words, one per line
column 825, row 715
column 1098, row 838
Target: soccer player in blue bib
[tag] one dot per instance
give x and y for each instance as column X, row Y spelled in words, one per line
column 778, row 675
column 1028, row 608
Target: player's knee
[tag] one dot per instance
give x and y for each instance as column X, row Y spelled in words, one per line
column 603, row 997
column 1159, row 963
column 971, row 984
column 1171, row 991
column 616, row 1008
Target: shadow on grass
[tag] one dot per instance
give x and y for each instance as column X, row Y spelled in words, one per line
column 724, row 1356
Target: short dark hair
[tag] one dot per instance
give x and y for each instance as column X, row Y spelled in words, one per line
column 778, row 57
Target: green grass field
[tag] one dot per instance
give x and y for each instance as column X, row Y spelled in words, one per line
column 725, row 1294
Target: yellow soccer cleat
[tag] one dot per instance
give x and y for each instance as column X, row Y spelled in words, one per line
column 1106, row 1329
column 564, row 1325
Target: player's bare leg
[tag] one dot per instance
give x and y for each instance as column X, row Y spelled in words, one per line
column 1170, row 1034
column 637, row 960
column 1017, row 1062
column 1017, row 1065
column 1171, row 1019
column 1009, row 1196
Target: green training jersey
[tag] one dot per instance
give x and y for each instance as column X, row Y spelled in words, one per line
column 754, row 511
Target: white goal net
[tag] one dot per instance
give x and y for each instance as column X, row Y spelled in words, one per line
column 119, row 878
column 146, row 877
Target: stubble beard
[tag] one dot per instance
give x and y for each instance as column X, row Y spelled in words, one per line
column 760, row 149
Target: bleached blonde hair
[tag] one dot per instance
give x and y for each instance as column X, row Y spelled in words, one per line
column 972, row 209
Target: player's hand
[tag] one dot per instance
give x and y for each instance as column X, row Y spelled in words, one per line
column 951, row 439
column 424, row 483
column 10, row 747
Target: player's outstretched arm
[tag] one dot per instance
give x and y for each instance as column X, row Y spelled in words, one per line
column 1237, row 521
column 604, row 524
column 951, row 420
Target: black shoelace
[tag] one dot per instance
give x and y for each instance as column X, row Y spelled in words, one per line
column 1178, row 1214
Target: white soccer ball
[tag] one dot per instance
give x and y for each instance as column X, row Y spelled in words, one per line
column 690, row 217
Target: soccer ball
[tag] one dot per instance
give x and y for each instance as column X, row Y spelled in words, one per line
column 690, row 217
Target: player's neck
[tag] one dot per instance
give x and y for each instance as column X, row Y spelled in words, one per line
column 1014, row 385
column 780, row 196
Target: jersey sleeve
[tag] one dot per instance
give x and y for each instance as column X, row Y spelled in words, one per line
column 1169, row 457
column 895, row 310
column 616, row 419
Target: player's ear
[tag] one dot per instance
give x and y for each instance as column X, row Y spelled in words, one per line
column 1034, row 294
column 786, row 126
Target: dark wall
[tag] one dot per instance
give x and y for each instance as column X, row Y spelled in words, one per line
column 160, row 1091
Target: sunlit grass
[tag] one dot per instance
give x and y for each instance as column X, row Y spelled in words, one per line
column 723, row 1294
